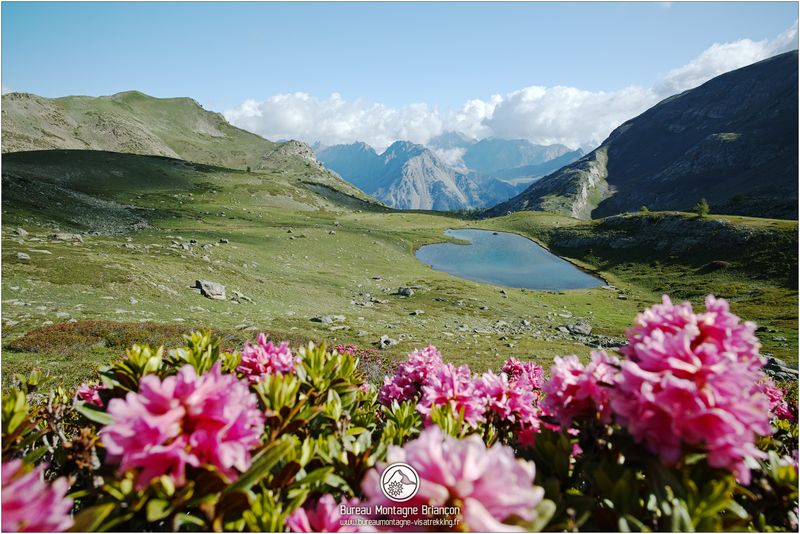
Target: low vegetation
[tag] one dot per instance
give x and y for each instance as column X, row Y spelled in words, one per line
column 279, row 438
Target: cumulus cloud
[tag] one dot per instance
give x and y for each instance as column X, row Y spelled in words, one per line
column 335, row 120
column 723, row 57
column 566, row 115
column 543, row 115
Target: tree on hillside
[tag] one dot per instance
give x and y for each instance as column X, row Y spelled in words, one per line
column 644, row 210
column 701, row 208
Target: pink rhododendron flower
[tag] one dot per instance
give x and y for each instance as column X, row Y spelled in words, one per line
column 264, row 358
column 323, row 516
column 90, row 394
column 455, row 388
column 524, row 373
column 212, row 419
column 576, row 391
column 491, row 484
column 411, row 375
column 30, row 504
column 509, row 401
column 693, row 379
column 777, row 403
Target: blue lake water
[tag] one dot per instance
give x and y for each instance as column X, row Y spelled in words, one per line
column 504, row 259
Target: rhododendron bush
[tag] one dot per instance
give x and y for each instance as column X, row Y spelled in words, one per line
column 680, row 429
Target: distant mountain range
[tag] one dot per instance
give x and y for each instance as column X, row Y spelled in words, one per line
column 732, row 140
column 412, row 176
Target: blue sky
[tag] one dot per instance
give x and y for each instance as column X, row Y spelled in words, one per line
column 390, row 54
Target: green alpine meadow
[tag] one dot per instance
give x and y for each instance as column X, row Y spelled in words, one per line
column 231, row 302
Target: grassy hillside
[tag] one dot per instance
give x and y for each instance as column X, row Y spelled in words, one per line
column 296, row 246
column 129, row 122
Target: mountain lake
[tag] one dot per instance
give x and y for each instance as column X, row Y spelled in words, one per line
column 504, row 259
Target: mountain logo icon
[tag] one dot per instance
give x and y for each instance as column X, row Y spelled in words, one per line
column 399, row 482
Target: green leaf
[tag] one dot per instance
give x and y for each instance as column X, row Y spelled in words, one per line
column 544, row 512
column 94, row 413
column 157, row 509
column 261, row 467
column 90, row 519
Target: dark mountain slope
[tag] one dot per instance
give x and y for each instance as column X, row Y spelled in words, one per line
column 732, row 140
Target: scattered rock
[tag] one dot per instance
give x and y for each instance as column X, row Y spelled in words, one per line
column 779, row 339
column 386, row 342
column 133, row 301
column 339, row 318
column 405, row 291
column 332, row 232
column 417, row 312
column 526, row 322
column 21, row 232
column 39, row 251
column 580, row 328
column 778, row 370
column 324, row 319
column 224, row 241
column 193, row 241
column 622, row 297
column 240, row 296
column 23, row 257
column 67, row 237
column 212, row 290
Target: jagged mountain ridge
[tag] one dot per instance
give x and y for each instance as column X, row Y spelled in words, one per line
column 410, row 176
column 733, row 140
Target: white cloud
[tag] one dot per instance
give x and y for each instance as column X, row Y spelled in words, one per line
column 451, row 156
column 543, row 115
column 334, row 120
column 723, row 57
column 566, row 115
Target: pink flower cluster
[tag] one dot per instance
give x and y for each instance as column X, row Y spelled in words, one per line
column 575, row 391
column 30, row 504
column 411, row 375
column 454, row 387
column 508, row 397
column 90, row 394
column 778, row 406
column 323, row 516
column 186, row 419
column 491, row 484
column 692, row 379
column 524, row 373
column 264, row 358
column 511, row 401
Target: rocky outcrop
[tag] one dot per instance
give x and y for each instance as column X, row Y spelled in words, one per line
column 290, row 149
